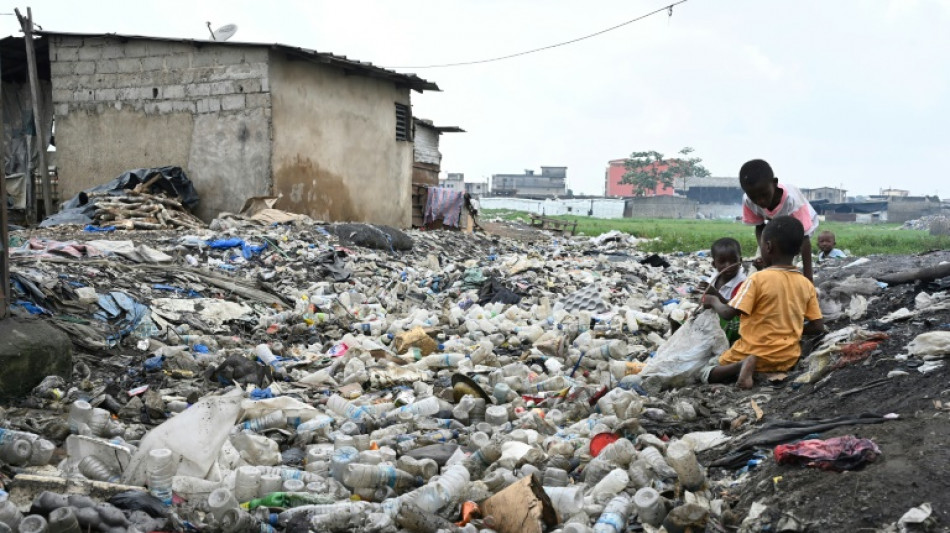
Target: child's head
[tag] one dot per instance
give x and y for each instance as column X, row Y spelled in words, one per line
column 826, row 241
column 726, row 253
column 759, row 183
column 782, row 240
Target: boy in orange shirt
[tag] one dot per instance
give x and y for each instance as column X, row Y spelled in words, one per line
column 772, row 307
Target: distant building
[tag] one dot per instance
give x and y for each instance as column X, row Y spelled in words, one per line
column 457, row 181
column 894, row 193
column 550, row 183
column 615, row 188
column 427, row 159
column 828, row 194
column 726, row 191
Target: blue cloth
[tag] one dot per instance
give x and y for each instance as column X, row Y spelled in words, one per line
column 177, row 290
column 32, row 308
column 247, row 250
column 120, row 307
column 99, row 229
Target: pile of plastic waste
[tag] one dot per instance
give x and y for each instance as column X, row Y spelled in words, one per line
column 278, row 378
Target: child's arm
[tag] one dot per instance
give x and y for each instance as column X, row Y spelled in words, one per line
column 723, row 310
column 815, row 327
column 758, row 236
column 806, row 258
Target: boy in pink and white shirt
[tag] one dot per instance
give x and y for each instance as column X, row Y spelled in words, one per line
column 765, row 199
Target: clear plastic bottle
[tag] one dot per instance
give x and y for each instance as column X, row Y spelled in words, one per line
column 555, row 477
column 657, row 463
column 14, row 449
column 611, row 484
column 681, row 457
column 286, row 473
column 264, row 353
column 98, row 420
column 79, row 413
column 33, row 523
column 567, row 501
column 341, row 458
column 9, row 514
column 270, row 483
column 220, row 501
column 424, row 468
column 159, row 472
column 272, row 420
column 247, row 483
column 438, row 493
column 420, row 408
column 317, row 423
column 347, row 409
column 63, row 520
column 650, row 507
column 478, row 462
column 94, row 469
column 239, row 521
column 294, row 485
column 374, row 476
column 614, row 517
column 620, row 452
column 551, row 384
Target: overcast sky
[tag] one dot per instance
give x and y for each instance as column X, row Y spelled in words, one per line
column 843, row 92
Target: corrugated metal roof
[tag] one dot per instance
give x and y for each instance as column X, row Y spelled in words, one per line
column 361, row 67
column 713, row 182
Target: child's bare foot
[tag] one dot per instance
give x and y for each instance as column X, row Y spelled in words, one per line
column 747, row 373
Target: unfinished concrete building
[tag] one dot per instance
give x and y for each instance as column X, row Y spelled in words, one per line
column 331, row 135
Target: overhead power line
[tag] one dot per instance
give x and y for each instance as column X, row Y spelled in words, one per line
column 668, row 9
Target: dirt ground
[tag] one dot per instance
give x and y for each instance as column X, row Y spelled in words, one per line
column 915, row 456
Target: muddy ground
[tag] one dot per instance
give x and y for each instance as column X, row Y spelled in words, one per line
column 913, row 468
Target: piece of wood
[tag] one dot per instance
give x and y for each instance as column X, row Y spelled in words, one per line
column 920, row 274
column 26, row 23
column 523, row 507
column 758, row 410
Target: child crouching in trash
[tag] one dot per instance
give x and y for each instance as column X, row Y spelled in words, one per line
column 772, row 306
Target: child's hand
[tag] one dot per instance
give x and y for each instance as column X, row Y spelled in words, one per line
column 759, row 263
column 707, row 301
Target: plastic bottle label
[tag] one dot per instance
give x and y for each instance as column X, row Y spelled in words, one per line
column 614, row 520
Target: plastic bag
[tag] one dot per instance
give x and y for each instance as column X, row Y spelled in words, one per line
column 930, row 345
column 688, row 350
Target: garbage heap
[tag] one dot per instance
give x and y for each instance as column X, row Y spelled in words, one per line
column 288, row 378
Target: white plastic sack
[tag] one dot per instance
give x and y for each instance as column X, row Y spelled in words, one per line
column 195, row 437
column 933, row 344
column 688, row 350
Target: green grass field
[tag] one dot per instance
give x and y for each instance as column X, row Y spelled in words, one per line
column 692, row 235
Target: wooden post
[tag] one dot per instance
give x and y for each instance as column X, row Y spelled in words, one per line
column 27, row 25
column 4, row 234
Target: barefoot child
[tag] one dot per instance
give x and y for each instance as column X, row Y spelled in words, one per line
column 765, row 199
column 772, row 306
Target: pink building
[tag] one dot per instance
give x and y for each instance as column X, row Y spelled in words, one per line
column 615, row 172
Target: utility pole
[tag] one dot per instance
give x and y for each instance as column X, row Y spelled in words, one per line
column 26, row 23
column 4, row 235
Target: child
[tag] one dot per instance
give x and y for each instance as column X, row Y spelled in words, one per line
column 772, row 307
column 765, row 199
column 727, row 260
column 826, row 247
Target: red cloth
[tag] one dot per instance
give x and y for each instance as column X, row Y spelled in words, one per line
column 837, row 454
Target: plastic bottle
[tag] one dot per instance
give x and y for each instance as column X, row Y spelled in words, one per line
column 657, row 463
column 220, row 501
column 33, row 523
column 247, row 483
column 567, row 501
column 610, row 485
column 79, row 413
column 681, row 457
column 551, row 384
column 478, row 462
column 93, row 468
column 286, row 473
column 317, row 423
column 14, row 449
column 272, row 420
column 438, row 493
column 98, row 420
column 160, row 470
column 264, row 353
column 650, row 507
column 9, row 514
column 555, row 477
column 424, row 468
column 373, row 329
column 239, row 521
column 614, row 349
column 620, row 452
column 63, row 520
column 420, row 408
column 270, row 483
column 614, row 517
column 347, row 409
column 341, row 458
column 373, row 476
column 294, row 485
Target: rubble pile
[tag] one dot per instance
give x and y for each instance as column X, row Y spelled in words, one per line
column 283, row 377
column 935, row 224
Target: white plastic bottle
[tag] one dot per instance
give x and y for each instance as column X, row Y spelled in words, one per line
column 650, row 507
column 160, row 470
column 264, row 353
column 610, row 485
column 614, row 517
column 681, row 457
column 657, row 463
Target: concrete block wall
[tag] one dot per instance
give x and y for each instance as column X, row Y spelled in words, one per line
column 140, row 103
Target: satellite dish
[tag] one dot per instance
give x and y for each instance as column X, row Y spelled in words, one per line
column 224, row 32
